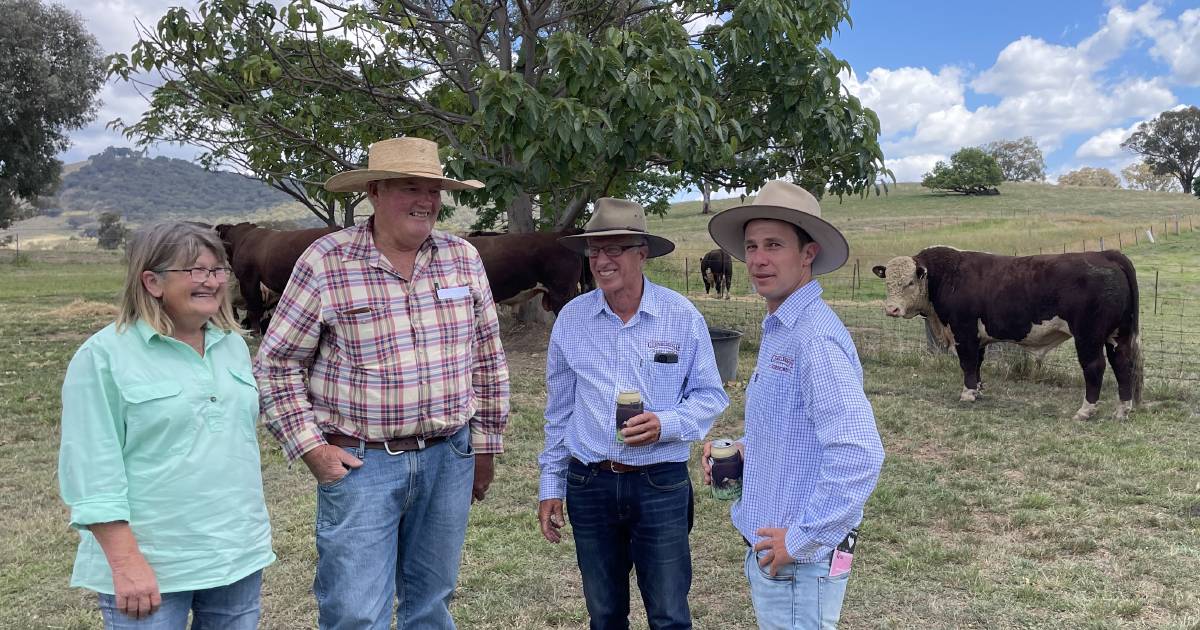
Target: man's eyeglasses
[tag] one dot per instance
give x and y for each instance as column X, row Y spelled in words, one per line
column 200, row 274
column 612, row 251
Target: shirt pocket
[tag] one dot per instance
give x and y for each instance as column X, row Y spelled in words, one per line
column 662, row 384
column 245, row 402
column 455, row 321
column 158, row 416
column 366, row 335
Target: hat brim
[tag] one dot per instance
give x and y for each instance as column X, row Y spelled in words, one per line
column 658, row 245
column 357, row 180
column 728, row 230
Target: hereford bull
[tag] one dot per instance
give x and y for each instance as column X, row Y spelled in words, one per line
column 1037, row 302
column 521, row 265
column 716, row 268
column 260, row 255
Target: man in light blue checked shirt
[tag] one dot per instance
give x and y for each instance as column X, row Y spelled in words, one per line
column 630, row 501
column 812, row 452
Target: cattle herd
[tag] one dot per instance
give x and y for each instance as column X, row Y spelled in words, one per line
column 969, row 299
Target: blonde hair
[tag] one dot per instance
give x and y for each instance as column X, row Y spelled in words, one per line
column 159, row 246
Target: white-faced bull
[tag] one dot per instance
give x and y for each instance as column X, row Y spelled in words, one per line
column 1037, row 302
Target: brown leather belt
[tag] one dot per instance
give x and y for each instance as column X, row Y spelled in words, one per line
column 393, row 446
column 617, row 467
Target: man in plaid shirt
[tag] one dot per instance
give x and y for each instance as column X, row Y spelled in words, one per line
column 383, row 371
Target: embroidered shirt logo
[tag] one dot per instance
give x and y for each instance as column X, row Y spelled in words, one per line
column 782, row 363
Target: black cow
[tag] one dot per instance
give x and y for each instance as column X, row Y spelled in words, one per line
column 717, row 270
column 1037, row 302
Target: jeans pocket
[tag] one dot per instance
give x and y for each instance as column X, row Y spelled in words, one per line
column 460, row 443
column 336, row 483
column 577, row 481
column 667, row 478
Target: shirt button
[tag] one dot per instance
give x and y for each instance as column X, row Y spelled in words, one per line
column 213, row 399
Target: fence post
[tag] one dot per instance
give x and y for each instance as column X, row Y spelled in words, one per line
column 1135, row 237
column 686, row 286
column 1156, row 292
column 1177, row 225
column 1101, row 243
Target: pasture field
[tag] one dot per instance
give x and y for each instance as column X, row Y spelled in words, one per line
column 998, row 514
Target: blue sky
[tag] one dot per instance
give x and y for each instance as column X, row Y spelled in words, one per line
column 1078, row 76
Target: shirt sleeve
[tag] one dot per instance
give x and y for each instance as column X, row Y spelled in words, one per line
column 284, row 358
column 91, row 469
column 703, row 399
column 560, row 402
column 489, row 375
column 852, row 453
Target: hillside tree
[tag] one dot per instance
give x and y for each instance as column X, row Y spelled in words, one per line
column 971, row 171
column 1089, row 176
column 550, row 103
column 1170, row 144
column 50, row 71
column 1141, row 176
column 1020, row 160
column 112, row 233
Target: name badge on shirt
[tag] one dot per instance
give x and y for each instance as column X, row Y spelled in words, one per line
column 450, row 293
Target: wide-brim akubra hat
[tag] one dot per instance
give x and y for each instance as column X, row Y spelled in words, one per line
column 618, row 217
column 396, row 158
column 787, row 202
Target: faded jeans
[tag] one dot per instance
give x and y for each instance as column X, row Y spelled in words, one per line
column 390, row 533
column 230, row 607
column 800, row 595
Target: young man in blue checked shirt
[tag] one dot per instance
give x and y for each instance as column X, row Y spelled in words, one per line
column 630, row 501
column 812, row 452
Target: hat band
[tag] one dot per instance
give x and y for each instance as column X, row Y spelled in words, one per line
column 609, row 229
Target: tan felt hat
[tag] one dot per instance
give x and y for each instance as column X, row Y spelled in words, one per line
column 395, row 158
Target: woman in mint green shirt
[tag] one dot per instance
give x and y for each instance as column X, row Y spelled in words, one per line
column 159, row 461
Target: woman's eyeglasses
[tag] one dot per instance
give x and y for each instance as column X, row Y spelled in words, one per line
column 201, row 274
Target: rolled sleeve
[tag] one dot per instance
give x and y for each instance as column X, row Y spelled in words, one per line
column 91, row 469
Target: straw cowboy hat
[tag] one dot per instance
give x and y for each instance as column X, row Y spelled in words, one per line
column 395, row 158
column 617, row 217
column 785, row 202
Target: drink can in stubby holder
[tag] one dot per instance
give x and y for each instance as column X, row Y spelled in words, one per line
column 629, row 404
column 726, row 470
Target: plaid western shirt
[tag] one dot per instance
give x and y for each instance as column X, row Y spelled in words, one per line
column 356, row 349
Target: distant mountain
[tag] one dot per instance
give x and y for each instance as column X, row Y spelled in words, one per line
column 143, row 189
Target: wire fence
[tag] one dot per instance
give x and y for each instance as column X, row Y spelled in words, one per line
column 1169, row 323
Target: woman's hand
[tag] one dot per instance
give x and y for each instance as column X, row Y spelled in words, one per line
column 136, row 586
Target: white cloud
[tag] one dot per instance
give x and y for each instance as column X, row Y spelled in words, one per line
column 1178, row 44
column 1106, row 144
column 905, row 96
column 912, row 167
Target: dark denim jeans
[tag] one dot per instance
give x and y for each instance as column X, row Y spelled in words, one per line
column 632, row 520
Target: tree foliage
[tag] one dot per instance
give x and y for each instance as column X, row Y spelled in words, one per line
column 1141, row 176
column 50, row 71
column 551, row 104
column 1088, row 176
column 971, row 171
column 1170, row 144
column 112, row 232
column 1020, row 160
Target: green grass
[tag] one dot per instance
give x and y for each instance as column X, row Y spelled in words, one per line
column 997, row 514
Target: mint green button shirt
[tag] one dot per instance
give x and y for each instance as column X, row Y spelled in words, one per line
column 156, row 435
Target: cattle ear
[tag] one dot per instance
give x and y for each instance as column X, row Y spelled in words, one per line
column 921, row 271
column 880, row 271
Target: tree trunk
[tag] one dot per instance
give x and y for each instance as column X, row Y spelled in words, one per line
column 706, row 190
column 571, row 214
column 347, row 213
column 520, row 214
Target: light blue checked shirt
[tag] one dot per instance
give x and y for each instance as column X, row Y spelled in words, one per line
column 813, row 453
column 593, row 356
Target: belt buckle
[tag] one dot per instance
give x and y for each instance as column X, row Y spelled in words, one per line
column 613, row 467
column 388, row 447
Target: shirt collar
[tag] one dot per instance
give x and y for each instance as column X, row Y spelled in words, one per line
column 796, row 303
column 212, row 334
column 362, row 245
column 649, row 304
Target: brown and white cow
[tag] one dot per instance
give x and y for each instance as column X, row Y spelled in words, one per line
column 1037, row 302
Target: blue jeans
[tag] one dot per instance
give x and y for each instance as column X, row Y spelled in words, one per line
column 231, row 607
column 393, row 530
column 800, row 595
column 633, row 520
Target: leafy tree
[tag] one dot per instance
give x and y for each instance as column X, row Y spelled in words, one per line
column 1141, row 176
column 50, row 71
column 1019, row 160
column 972, row 171
column 551, row 104
column 1170, row 144
column 1088, row 176
column 111, row 233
